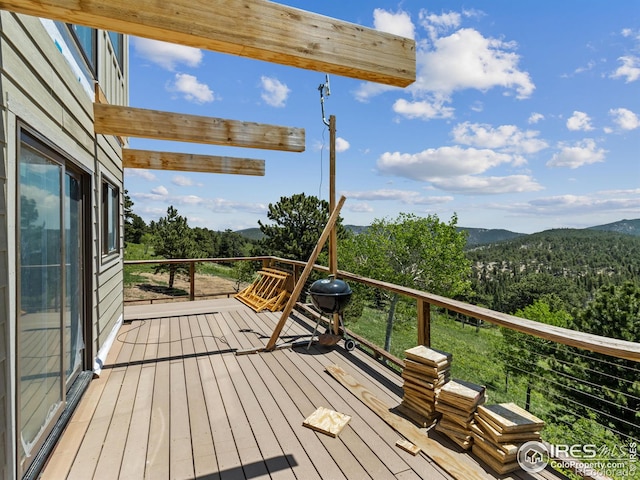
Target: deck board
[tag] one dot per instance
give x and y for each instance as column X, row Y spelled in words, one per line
column 108, row 465
column 69, row 445
column 174, row 401
column 135, row 450
column 157, row 465
column 89, row 452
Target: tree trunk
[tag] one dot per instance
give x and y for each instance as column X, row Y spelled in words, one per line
column 392, row 311
column 527, row 403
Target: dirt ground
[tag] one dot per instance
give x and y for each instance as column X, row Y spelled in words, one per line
column 206, row 286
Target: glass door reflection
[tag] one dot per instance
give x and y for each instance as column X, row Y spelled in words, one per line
column 51, row 316
column 41, row 282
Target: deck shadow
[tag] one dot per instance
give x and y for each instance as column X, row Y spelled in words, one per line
column 169, row 358
column 255, row 469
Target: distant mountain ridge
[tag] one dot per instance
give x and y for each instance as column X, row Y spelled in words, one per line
column 484, row 236
column 630, row 227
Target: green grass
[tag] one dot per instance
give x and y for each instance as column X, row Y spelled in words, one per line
column 136, row 251
column 134, row 274
column 216, row 270
column 473, row 349
column 476, row 359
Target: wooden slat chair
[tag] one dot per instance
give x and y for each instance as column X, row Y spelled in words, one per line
column 267, row 292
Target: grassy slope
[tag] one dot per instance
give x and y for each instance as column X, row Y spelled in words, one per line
column 140, row 252
column 475, row 360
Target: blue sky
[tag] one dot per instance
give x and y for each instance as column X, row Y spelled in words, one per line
column 524, row 116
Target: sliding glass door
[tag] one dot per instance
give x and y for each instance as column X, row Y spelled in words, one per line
column 50, row 322
column 73, row 318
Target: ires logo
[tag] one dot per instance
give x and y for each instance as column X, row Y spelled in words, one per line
column 533, row 457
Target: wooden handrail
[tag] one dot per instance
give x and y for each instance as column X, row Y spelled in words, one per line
column 587, row 341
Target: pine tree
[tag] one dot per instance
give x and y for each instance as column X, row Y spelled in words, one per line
column 174, row 239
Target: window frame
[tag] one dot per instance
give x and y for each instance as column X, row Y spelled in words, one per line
column 117, row 45
column 90, row 58
column 109, row 218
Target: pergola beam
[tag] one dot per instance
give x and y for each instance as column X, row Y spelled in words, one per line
column 158, row 125
column 186, row 162
column 256, row 29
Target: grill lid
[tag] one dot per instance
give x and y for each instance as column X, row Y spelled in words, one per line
column 330, row 286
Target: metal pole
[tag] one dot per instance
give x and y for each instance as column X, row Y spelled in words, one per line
column 333, row 239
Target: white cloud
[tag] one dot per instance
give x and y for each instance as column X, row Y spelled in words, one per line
column 603, row 201
column 580, row 209
column 423, row 110
column 208, row 205
column 628, row 32
column 189, row 200
column 183, row 181
column 462, row 60
column 439, row 24
column 360, row 207
column 191, row 89
column 440, row 162
column 398, row 23
column 535, row 118
column 476, row 107
column 488, row 185
column 465, row 60
column 275, row 93
column 457, row 169
column 625, row 119
column 342, row 145
column 160, row 190
column 589, row 66
column 582, row 153
column 579, row 121
column 405, row 196
column 508, row 138
column 369, row 90
column 154, row 197
column 167, row 55
column 629, row 70
column 140, row 172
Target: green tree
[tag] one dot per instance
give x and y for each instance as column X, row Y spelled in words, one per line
column 525, row 355
column 418, row 252
column 134, row 225
column 232, row 244
column 539, row 286
column 174, row 239
column 600, row 386
column 208, row 241
column 298, row 222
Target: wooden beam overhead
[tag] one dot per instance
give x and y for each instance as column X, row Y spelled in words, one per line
column 256, row 29
column 185, row 162
column 154, row 124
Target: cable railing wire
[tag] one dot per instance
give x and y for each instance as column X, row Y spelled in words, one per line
column 580, row 392
column 569, row 400
column 577, row 379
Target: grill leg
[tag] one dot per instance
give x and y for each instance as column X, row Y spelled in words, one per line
column 315, row 330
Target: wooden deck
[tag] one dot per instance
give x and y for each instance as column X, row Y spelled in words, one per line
column 175, row 401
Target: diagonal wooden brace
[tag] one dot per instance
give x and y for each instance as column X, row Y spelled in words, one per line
column 305, row 274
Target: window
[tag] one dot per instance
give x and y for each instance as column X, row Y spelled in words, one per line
column 87, row 39
column 110, row 218
column 118, row 48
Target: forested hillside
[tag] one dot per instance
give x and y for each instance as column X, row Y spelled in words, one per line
column 566, row 264
column 630, row 227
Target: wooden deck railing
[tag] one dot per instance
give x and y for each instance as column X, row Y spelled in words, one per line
column 604, row 345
